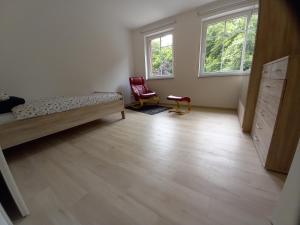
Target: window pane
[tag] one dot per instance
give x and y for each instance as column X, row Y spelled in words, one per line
column 167, row 40
column 227, row 48
column 213, row 55
column 215, row 30
column 235, row 25
column 155, row 56
column 166, row 61
column 162, row 56
column 253, row 22
column 250, row 42
column 214, row 43
column 232, row 53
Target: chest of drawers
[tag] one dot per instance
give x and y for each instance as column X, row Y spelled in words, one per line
column 270, row 95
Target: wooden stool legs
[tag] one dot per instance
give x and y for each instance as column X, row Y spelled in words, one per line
column 179, row 99
column 178, row 109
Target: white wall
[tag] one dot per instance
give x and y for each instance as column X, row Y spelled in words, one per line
column 62, row 47
column 213, row 91
column 288, row 210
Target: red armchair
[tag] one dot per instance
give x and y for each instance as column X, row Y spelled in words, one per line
column 141, row 92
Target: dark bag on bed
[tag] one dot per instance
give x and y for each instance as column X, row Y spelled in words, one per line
column 7, row 105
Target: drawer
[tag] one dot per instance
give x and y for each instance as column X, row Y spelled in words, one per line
column 262, row 152
column 262, row 136
column 267, row 68
column 279, row 69
column 266, row 114
column 270, row 106
column 270, row 95
column 263, row 131
column 272, row 87
column 261, row 88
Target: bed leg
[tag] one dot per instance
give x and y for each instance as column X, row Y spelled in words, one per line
column 12, row 187
column 123, row 114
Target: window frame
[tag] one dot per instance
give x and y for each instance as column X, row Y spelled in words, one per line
column 205, row 23
column 147, row 43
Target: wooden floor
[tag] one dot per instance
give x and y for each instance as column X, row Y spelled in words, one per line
column 165, row 169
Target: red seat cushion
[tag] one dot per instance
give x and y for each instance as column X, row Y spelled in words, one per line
column 179, row 98
column 148, row 95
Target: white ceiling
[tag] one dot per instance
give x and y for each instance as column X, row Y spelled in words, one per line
column 130, row 13
column 137, row 13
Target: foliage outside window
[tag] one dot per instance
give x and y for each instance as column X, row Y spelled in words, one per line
column 160, row 55
column 228, row 44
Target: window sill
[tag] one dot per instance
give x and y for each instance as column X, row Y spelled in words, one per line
column 160, row 78
column 206, row 75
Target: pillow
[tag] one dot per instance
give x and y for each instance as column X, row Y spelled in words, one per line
column 7, row 105
column 3, row 96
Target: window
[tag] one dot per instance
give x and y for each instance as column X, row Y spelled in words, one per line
column 159, row 55
column 228, row 44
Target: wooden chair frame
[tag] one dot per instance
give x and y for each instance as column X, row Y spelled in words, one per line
column 154, row 100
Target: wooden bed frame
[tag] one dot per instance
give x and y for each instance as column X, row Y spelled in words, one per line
column 21, row 131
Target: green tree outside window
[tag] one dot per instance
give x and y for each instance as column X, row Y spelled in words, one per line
column 229, row 44
column 162, row 56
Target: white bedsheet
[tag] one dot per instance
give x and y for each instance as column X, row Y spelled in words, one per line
column 6, row 118
column 51, row 105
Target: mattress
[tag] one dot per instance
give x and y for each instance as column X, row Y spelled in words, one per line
column 51, row 105
column 6, row 118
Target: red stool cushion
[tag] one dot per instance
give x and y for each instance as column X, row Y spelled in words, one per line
column 179, row 98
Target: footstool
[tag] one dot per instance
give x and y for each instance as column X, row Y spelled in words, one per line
column 178, row 100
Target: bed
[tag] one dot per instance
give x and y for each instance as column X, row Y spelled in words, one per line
column 43, row 117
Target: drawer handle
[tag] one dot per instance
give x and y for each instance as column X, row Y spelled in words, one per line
column 278, row 70
column 262, row 113
column 258, row 127
column 255, row 138
column 268, row 86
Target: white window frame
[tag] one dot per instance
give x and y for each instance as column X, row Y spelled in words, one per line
column 147, row 43
column 248, row 11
